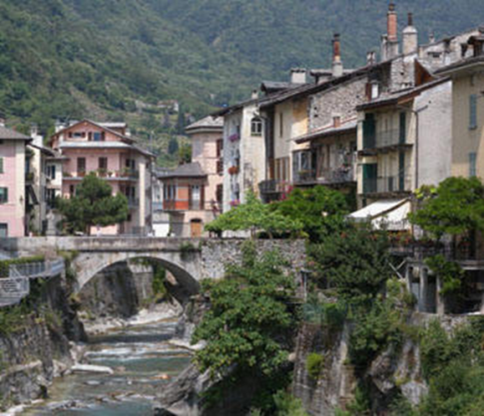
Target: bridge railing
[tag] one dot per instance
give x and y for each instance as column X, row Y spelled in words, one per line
column 17, row 286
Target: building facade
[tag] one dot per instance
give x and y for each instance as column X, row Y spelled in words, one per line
column 13, row 197
column 107, row 150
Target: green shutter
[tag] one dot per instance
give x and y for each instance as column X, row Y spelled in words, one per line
column 401, row 171
column 369, row 177
column 472, row 165
column 403, row 128
column 369, row 132
column 473, row 111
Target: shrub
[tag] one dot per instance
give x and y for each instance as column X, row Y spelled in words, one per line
column 314, row 365
column 5, row 264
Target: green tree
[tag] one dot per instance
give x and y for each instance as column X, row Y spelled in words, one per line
column 321, row 210
column 250, row 326
column 356, row 263
column 455, row 207
column 173, row 146
column 254, row 216
column 184, row 154
column 93, row 205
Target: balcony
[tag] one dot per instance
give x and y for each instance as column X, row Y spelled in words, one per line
column 183, row 205
column 380, row 142
column 387, row 185
column 273, row 189
column 121, row 175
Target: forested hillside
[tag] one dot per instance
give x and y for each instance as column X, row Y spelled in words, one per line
column 94, row 58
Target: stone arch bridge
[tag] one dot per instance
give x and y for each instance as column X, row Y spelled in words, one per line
column 188, row 260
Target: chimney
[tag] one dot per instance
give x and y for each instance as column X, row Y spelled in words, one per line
column 410, row 37
column 336, row 121
column 431, row 37
column 337, row 63
column 255, row 94
column 298, row 76
column 390, row 40
column 371, row 58
column 392, row 23
column 2, row 122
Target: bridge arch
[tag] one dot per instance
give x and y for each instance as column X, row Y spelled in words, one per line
column 185, row 270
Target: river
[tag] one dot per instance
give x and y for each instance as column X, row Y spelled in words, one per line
column 143, row 361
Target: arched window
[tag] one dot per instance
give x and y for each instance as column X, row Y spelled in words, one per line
column 256, row 126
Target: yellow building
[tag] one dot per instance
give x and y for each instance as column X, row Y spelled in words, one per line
column 468, row 116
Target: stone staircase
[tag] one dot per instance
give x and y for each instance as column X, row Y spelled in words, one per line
column 17, row 286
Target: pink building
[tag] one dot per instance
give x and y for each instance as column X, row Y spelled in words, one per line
column 12, row 182
column 108, row 150
column 193, row 192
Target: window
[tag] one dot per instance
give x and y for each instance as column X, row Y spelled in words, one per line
column 130, row 164
column 196, row 197
column 81, row 165
column 220, row 147
column 3, row 195
column 51, row 171
column 99, row 136
column 78, row 134
column 473, row 112
column 281, row 125
column 3, row 230
column 1, row 165
column 103, row 163
column 472, row 165
column 256, row 127
column 220, row 194
column 72, row 190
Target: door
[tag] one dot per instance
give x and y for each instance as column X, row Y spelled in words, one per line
column 196, row 228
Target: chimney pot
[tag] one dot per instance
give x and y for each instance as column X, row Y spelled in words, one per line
column 410, row 19
column 337, row 63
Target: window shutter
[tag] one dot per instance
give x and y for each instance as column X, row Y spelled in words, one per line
column 403, row 128
column 472, row 164
column 1, row 165
column 473, row 111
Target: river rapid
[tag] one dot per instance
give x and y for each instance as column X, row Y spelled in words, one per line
column 142, row 360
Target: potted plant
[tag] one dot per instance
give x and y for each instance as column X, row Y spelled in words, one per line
column 233, row 170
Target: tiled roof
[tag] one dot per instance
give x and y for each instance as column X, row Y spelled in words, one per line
column 393, row 98
column 189, row 170
column 209, row 122
column 9, row 134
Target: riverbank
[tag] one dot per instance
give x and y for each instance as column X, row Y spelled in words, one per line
column 141, row 361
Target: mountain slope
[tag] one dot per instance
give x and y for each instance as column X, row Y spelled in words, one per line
column 95, row 58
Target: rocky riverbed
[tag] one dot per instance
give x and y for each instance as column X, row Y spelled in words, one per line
column 142, row 361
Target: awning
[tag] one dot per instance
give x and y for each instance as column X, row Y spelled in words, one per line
column 388, row 214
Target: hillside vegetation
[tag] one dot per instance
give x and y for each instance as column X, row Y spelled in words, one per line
column 96, row 58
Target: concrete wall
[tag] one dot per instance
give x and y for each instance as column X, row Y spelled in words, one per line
column 435, row 131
